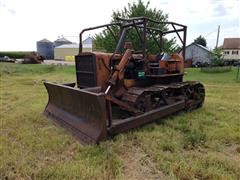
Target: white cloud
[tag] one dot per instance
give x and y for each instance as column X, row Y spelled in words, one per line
column 26, row 21
column 203, row 17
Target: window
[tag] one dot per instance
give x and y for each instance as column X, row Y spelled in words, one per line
column 234, row 52
column 226, row 52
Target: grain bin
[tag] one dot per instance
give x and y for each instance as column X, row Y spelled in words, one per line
column 61, row 41
column 45, row 48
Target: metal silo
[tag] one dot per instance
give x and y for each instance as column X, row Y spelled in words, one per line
column 61, row 41
column 45, row 48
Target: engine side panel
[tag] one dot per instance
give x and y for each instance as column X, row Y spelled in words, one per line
column 92, row 69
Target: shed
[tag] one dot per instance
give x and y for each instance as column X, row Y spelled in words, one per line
column 68, row 51
column 198, row 54
column 65, row 50
column 87, row 43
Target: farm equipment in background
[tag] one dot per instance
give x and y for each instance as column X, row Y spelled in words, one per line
column 30, row 58
column 125, row 89
column 7, row 59
column 33, row 58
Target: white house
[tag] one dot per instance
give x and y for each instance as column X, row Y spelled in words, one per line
column 231, row 49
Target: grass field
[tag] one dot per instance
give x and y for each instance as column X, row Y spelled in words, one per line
column 202, row 144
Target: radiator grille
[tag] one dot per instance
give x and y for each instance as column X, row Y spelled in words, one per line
column 86, row 70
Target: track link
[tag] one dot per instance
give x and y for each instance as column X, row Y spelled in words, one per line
column 148, row 98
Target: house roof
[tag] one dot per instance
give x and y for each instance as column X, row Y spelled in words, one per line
column 198, row 45
column 231, row 43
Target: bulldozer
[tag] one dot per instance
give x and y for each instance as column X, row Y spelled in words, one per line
column 115, row 92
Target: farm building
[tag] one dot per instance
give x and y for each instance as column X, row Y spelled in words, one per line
column 68, row 51
column 197, row 54
column 231, row 49
column 65, row 50
column 87, row 44
column 46, row 48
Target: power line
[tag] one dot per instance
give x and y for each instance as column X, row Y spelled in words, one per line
column 211, row 32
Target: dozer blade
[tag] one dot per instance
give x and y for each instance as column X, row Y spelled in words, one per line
column 81, row 112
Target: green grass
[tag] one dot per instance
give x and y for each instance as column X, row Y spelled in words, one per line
column 202, row 144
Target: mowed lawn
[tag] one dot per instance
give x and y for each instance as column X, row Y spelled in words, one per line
column 202, row 144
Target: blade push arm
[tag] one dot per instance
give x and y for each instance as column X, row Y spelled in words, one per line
column 118, row 73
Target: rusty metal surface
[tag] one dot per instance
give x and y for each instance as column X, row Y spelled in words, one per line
column 156, row 114
column 81, row 112
column 122, row 104
column 87, row 115
column 92, row 69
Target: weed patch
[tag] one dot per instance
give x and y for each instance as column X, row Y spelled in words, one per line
column 194, row 138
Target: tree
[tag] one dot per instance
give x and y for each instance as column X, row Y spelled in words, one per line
column 216, row 57
column 105, row 41
column 201, row 40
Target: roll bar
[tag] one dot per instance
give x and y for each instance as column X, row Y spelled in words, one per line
column 141, row 23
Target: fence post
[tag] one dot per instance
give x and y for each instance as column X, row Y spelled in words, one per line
column 238, row 65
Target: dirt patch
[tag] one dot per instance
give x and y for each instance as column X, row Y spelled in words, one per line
column 233, row 152
column 138, row 166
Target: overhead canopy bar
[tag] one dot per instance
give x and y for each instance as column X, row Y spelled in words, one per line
column 141, row 23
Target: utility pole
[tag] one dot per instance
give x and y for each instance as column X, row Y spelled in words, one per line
column 217, row 37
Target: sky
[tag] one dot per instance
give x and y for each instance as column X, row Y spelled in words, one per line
column 23, row 22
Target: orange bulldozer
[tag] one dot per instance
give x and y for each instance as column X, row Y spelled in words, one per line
column 118, row 91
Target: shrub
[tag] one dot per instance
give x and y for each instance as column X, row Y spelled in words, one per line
column 216, row 69
column 15, row 54
column 216, row 57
